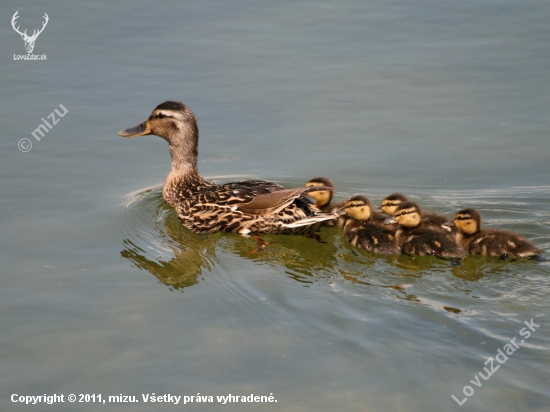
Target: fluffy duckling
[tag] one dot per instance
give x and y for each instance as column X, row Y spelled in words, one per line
column 432, row 220
column 489, row 242
column 323, row 199
column 361, row 231
column 392, row 202
column 414, row 236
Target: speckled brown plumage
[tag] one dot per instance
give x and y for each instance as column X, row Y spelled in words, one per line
column 206, row 207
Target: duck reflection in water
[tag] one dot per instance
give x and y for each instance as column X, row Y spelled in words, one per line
column 178, row 257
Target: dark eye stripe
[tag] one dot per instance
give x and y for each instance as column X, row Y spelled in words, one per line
column 163, row 115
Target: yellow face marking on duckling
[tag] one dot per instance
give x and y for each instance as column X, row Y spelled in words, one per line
column 466, row 223
column 392, row 202
column 390, row 206
column 409, row 217
column 357, row 209
column 323, row 197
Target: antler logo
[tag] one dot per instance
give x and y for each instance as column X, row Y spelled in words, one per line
column 29, row 40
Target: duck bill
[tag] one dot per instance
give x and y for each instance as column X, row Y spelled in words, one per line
column 140, row 130
column 341, row 211
column 390, row 221
column 450, row 223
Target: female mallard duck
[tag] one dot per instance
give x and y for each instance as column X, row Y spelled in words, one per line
column 489, row 242
column 362, row 231
column 206, row 207
column 429, row 219
column 414, row 236
column 323, row 199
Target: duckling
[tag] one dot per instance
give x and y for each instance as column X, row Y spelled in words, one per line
column 414, row 236
column 391, row 202
column 489, row 242
column 323, row 200
column 361, row 231
column 251, row 206
column 434, row 221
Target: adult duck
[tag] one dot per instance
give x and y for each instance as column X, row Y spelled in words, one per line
column 251, row 206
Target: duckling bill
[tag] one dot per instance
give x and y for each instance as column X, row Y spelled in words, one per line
column 251, row 206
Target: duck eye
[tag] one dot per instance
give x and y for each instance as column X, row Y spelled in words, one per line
column 161, row 116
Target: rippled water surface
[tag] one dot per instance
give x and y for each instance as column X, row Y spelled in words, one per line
column 102, row 290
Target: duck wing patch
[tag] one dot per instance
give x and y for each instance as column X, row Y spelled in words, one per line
column 274, row 202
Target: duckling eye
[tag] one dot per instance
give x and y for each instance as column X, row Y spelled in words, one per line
column 161, row 116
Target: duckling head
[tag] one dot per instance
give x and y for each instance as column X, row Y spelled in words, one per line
column 392, row 202
column 468, row 221
column 323, row 197
column 175, row 123
column 359, row 207
column 408, row 214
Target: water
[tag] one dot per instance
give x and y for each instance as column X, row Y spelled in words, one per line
column 102, row 291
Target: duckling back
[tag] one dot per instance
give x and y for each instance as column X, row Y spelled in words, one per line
column 493, row 242
column 372, row 238
column 426, row 242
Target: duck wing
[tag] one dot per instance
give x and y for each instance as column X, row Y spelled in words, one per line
column 256, row 186
column 233, row 193
column 274, row 202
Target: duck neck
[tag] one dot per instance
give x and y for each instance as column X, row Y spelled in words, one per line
column 184, row 160
column 184, row 178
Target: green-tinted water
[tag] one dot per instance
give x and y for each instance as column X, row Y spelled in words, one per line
column 103, row 292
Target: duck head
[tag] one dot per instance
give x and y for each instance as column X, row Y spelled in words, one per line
column 392, row 202
column 468, row 221
column 323, row 197
column 358, row 207
column 175, row 123
column 408, row 214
